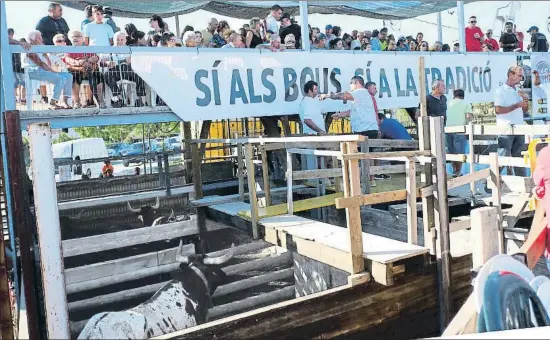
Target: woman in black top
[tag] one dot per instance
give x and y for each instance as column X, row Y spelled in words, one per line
column 253, row 37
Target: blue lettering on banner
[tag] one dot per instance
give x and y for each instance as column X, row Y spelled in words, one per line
column 400, row 93
column 205, row 101
column 411, row 86
column 216, row 85
column 268, row 98
column 334, row 81
column 384, row 85
column 461, row 78
column 449, row 79
column 305, row 76
column 291, row 89
column 237, row 88
column 254, row 99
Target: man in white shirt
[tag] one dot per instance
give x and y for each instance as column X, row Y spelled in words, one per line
column 98, row 33
column 509, row 109
column 311, row 111
column 363, row 113
column 272, row 20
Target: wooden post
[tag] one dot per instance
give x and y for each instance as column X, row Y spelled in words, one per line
column 252, row 189
column 197, row 184
column 496, row 198
column 428, row 218
column 186, row 147
column 484, row 237
column 322, row 191
column 49, row 232
column 442, row 224
column 240, row 170
column 365, row 168
column 412, row 213
column 337, row 181
column 265, row 176
column 289, row 198
column 352, row 188
column 471, row 162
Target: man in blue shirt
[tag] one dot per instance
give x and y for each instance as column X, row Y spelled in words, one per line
column 392, row 129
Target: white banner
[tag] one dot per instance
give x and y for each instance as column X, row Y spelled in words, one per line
column 218, row 85
column 540, row 63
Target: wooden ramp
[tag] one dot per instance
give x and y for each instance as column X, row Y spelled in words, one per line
column 331, row 245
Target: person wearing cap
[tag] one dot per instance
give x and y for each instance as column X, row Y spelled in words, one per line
column 508, row 40
column 289, row 26
column 538, row 40
column 402, row 44
column 329, row 35
column 319, row 42
column 108, row 16
column 375, row 43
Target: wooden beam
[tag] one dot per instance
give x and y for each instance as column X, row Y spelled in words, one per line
column 365, row 168
column 469, row 178
column 536, row 241
column 460, row 225
column 289, row 195
column 514, row 213
column 240, row 171
column 251, row 174
column 471, row 161
column 390, row 154
column 412, row 213
column 486, row 160
column 496, row 198
column 265, row 176
column 484, row 235
column 98, row 243
column 319, row 173
column 442, row 223
column 328, row 153
column 294, row 139
column 428, row 204
column 387, row 169
column 370, row 199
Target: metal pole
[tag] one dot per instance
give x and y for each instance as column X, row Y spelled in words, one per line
column 167, row 173
column 49, row 232
column 439, row 28
column 305, row 26
column 461, row 26
column 178, row 31
column 7, row 102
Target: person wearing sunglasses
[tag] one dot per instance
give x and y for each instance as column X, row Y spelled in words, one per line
column 474, row 36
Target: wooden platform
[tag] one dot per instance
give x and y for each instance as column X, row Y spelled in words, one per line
column 331, row 245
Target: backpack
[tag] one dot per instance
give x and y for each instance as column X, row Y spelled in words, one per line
column 541, row 44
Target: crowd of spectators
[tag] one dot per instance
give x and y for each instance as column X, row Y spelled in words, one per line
column 277, row 32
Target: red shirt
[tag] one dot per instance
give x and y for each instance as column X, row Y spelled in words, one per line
column 473, row 44
column 520, row 37
column 493, row 43
column 79, row 55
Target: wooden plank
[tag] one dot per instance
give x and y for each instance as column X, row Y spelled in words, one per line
column 412, row 212
column 390, row 154
column 370, row 199
column 214, row 200
column 314, row 174
column 536, row 241
column 402, row 208
column 469, row 178
column 353, row 215
column 393, row 143
column 240, row 170
column 93, row 244
column 442, row 224
column 294, row 139
column 254, row 281
column 289, row 195
column 328, row 153
column 265, row 176
column 365, row 168
column 460, row 225
column 298, row 206
column 484, row 235
column 471, row 160
column 496, row 197
column 486, row 160
column 124, row 265
column 428, row 219
column 324, row 235
column 251, row 172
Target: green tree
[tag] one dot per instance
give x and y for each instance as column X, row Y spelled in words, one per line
column 63, row 137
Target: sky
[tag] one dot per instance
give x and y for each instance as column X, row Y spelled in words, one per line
column 23, row 16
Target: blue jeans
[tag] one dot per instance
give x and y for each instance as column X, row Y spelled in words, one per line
column 18, row 79
column 456, row 144
column 62, row 81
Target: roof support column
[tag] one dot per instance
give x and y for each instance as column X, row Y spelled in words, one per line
column 178, row 31
column 461, row 26
column 305, row 25
column 439, row 28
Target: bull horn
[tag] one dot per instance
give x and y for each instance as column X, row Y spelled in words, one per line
column 220, row 259
column 157, row 221
column 171, row 217
column 179, row 255
column 156, row 206
column 132, row 209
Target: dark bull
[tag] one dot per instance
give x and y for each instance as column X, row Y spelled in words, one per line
column 149, row 214
column 181, row 303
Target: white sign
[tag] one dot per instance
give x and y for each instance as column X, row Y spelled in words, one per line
column 219, row 85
